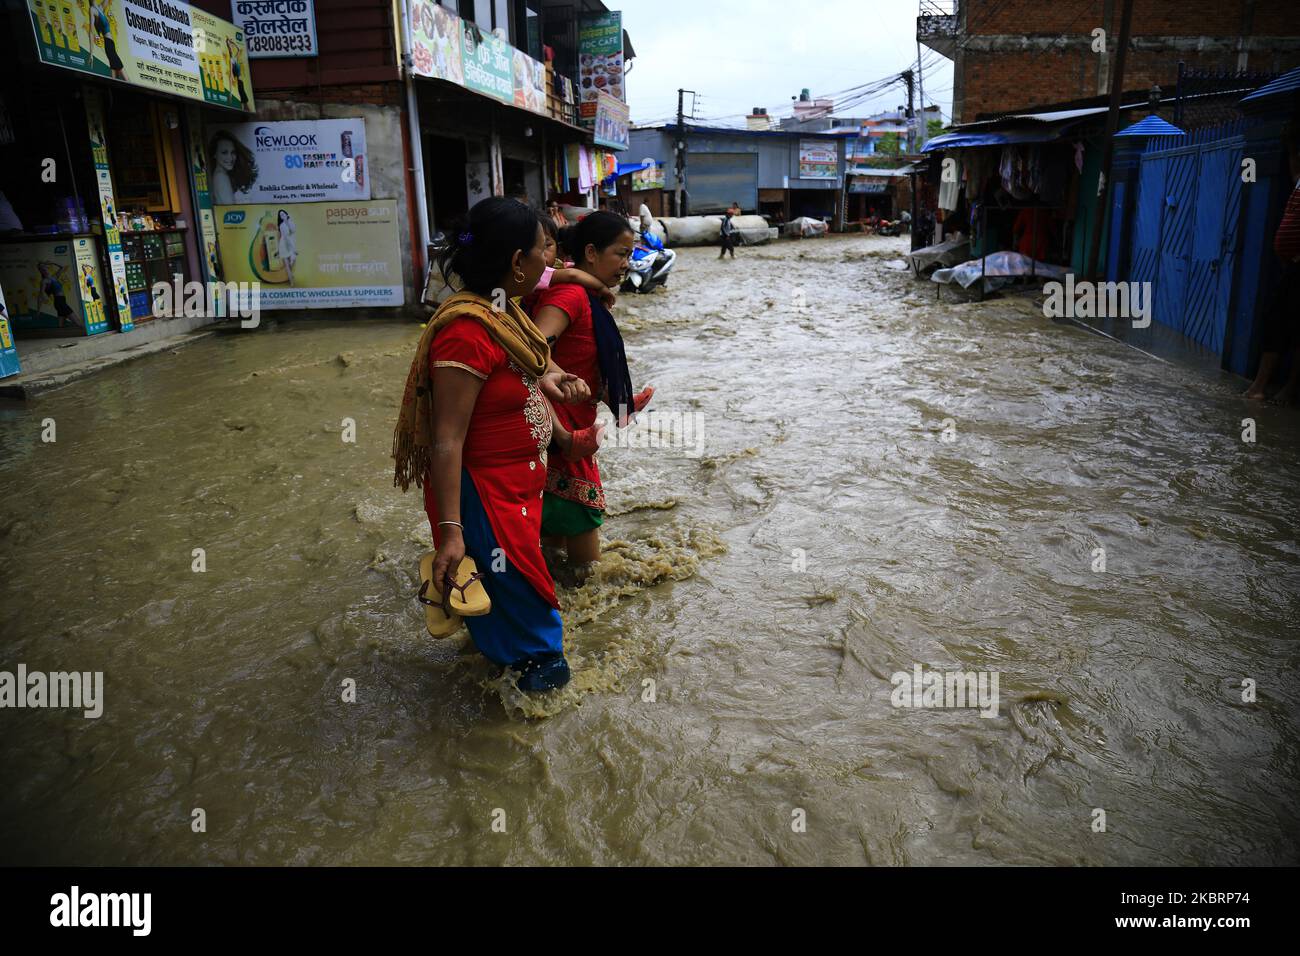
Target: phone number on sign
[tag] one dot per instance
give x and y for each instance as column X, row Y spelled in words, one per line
column 274, row 44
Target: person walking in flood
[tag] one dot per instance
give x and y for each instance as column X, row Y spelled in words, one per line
column 472, row 431
column 728, row 234
column 587, row 343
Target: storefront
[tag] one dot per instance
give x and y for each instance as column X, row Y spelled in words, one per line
column 495, row 121
column 101, row 165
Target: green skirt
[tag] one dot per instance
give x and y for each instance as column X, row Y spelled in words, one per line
column 564, row 518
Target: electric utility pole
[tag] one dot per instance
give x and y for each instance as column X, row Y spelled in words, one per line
column 908, row 78
column 1108, row 150
column 681, row 148
column 922, row 133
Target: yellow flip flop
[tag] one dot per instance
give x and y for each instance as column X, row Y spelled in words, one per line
column 467, row 595
column 439, row 619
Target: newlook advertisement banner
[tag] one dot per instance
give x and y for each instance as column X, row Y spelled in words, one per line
column 314, row 255
column 288, row 162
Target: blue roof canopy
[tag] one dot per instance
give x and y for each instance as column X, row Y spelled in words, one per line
column 1288, row 84
column 1000, row 137
column 1151, row 126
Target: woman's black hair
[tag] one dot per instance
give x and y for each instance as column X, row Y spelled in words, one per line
column 600, row 229
column 482, row 245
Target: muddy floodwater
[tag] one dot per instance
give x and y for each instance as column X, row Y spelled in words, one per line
column 861, row 480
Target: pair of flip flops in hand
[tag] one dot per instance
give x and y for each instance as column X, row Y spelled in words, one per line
column 462, row 595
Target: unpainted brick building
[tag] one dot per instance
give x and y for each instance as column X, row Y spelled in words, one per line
column 1011, row 54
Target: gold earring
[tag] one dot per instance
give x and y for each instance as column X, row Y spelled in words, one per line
column 519, row 276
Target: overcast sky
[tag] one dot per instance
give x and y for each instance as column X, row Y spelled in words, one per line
column 737, row 54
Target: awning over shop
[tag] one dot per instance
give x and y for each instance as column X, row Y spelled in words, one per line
column 1019, row 128
column 956, row 139
column 626, row 168
column 1286, row 86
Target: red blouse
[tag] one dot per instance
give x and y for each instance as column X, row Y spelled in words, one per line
column 505, row 447
column 575, row 352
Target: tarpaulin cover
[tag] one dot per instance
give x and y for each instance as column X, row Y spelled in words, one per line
column 946, row 253
column 806, row 227
column 998, row 269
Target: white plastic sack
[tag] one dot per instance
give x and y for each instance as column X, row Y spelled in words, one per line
column 693, row 230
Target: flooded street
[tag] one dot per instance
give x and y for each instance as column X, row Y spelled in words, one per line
column 733, row 654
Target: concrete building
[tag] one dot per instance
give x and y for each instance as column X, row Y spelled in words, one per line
column 778, row 173
column 1010, row 53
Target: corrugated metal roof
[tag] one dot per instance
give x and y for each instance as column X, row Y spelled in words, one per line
column 1288, row 84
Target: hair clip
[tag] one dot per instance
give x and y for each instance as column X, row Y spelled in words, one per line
column 466, row 238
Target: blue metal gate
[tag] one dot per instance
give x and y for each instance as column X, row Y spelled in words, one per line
column 1185, row 229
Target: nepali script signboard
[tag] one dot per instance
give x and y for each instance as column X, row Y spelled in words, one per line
column 445, row 47
column 165, row 46
column 277, row 28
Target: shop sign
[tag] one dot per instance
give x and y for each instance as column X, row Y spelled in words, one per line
column 445, row 47
column 608, row 119
column 651, row 177
column 277, row 28
column 818, row 159
column 202, row 191
column 288, row 162
column 107, row 207
column 868, row 186
column 488, row 61
column 54, row 285
column 315, row 255
column 9, row 364
column 165, row 46
column 600, row 56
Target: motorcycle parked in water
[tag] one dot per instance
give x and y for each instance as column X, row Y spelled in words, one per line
column 649, row 265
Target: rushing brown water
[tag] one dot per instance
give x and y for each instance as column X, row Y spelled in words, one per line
column 826, row 536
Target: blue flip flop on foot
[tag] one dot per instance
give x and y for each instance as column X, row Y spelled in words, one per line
column 542, row 674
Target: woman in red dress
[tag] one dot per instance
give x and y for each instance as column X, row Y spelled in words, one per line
column 587, row 344
column 473, row 431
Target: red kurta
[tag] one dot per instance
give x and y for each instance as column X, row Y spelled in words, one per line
column 575, row 352
column 505, row 447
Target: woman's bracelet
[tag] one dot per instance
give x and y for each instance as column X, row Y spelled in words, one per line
column 456, row 523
